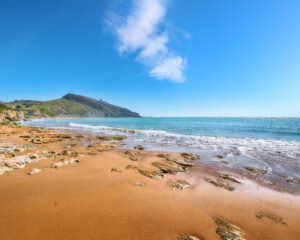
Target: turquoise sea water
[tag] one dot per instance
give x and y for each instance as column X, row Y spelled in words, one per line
column 264, row 128
column 270, row 143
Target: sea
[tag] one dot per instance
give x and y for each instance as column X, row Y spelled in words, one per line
column 269, row 143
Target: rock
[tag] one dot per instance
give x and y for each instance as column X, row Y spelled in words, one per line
column 130, row 166
column 34, row 171
column 178, row 184
column 164, row 155
column 225, row 162
column 220, row 183
column 33, row 156
column 270, row 216
column 169, row 167
column 133, row 156
column 139, row 147
column 140, row 184
column 220, row 156
column 154, row 174
column 63, row 162
column 190, row 156
column 66, row 153
column 59, row 163
column 47, row 154
column 256, row 172
column 16, row 162
column 181, row 237
column 114, row 169
column 291, row 180
column 227, row 177
column 25, row 136
column 228, row 231
column 74, row 160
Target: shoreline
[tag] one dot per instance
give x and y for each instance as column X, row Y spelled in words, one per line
column 108, row 194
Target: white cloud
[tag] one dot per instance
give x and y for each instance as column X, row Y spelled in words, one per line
column 140, row 32
column 170, row 68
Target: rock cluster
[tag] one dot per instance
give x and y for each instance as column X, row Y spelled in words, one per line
column 8, row 159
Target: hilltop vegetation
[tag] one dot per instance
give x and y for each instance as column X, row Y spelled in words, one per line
column 71, row 105
column 4, row 107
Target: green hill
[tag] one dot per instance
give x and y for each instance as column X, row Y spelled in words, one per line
column 70, row 105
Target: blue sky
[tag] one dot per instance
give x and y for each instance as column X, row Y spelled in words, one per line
column 156, row 57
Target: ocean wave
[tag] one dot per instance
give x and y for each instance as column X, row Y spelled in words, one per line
column 229, row 145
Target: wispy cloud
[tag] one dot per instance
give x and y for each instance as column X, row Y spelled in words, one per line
column 140, row 31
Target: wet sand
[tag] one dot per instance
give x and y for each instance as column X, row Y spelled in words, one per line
column 89, row 201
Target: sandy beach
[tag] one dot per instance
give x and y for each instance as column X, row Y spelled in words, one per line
column 79, row 187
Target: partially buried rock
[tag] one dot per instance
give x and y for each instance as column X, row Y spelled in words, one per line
column 169, row 167
column 140, row 184
column 227, row 177
column 34, row 171
column 220, row 183
column 228, row 231
column 257, row 172
column 154, row 174
column 63, row 162
column 189, row 156
column 181, row 237
column 130, row 166
column 133, row 156
column 114, row 169
column 270, row 216
column 139, row 147
column 178, row 184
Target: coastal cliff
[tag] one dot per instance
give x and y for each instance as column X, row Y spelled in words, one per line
column 8, row 115
column 70, row 105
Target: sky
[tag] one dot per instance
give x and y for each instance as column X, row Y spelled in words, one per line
column 156, row 57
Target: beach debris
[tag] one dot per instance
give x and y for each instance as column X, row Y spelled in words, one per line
column 270, row 216
column 227, row 177
column 130, row 166
column 178, row 184
column 228, row 231
column 139, row 147
column 34, row 171
column 169, row 167
column 256, row 172
column 63, row 162
column 133, row 156
column 114, row 169
column 154, row 174
column 189, row 156
column 181, row 237
column 220, row 183
column 140, row 184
